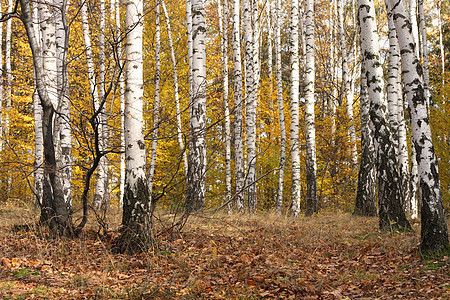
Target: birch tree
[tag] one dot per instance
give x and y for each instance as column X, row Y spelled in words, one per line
column 135, row 232
column 441, row 44
column 196, row 181
column 151, row 168
column 395, row 106
column 94, row 92
column 346, row 80
column 223, row 31
column 434, row 233
column 250, row 107
column 238, row 102
column 295, row 120
column 414, row 27
column 366, row 199
column 8, row 71
column 426, row 71
column 37, row 110
column 391, row 213
column 280, row 103
column 63, row 133
column 122, row 106
column 101, row 196
column 312, row 206
column 55, row 212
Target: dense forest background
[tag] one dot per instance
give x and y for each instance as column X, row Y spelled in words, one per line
column 336, row 171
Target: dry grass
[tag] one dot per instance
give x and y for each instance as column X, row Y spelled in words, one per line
column 330, row 256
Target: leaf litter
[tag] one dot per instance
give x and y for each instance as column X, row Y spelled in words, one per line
column 330, row 256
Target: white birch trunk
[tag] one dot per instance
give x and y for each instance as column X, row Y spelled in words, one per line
column 38, row 134
column 64, row 134
column 136, row 203
column 54, row 210
column 196, row 181
column 434, row 234
column 223, row 31
column 156, row 106
column 295, row 119
column 346, row 80
column 270, row 56
column 312, row 206
column 8, row 71
column 122, row 107
column 250, row 86
column 100, row 185
column 101, row 195
column 175, row 89
column 415, row 28
column 395, row 105
column 366, row 198
column 334, row 92
column 391, row 213
column 280, row 103
column 426, row 71
column 441, row 45
column 189, row 41
column 238, row 104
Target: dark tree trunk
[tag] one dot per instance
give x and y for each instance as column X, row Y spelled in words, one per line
column 55, row 212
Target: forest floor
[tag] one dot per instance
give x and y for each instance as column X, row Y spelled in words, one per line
column 330, row 256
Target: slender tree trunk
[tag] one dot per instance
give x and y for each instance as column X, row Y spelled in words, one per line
column 175, row 89
column 280, row 102
column 250, row 87
column 54, row 210
column 101, row 195
column 101, row 171
column 426, row 71
column 135, row 234
column 156, row 106
column 434, row 235
column 223, row 31
column 332, row 99
column 394, row 96
column 391, row 213
column 270, row 56
column 414, row 27
column 414, row 166
column 312, row 206
column 366, row 199
column 122, row 108
column 63, row 132
column 441, row 44
column 396, row 115
column 346, row 80
column 196, row 181
column 38, row 135
column 238, row 102
column 189, row 41
column 254, row 4
column 295, row 120
column 8, row 71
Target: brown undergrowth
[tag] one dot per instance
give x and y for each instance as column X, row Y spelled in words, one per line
column 330, row 256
